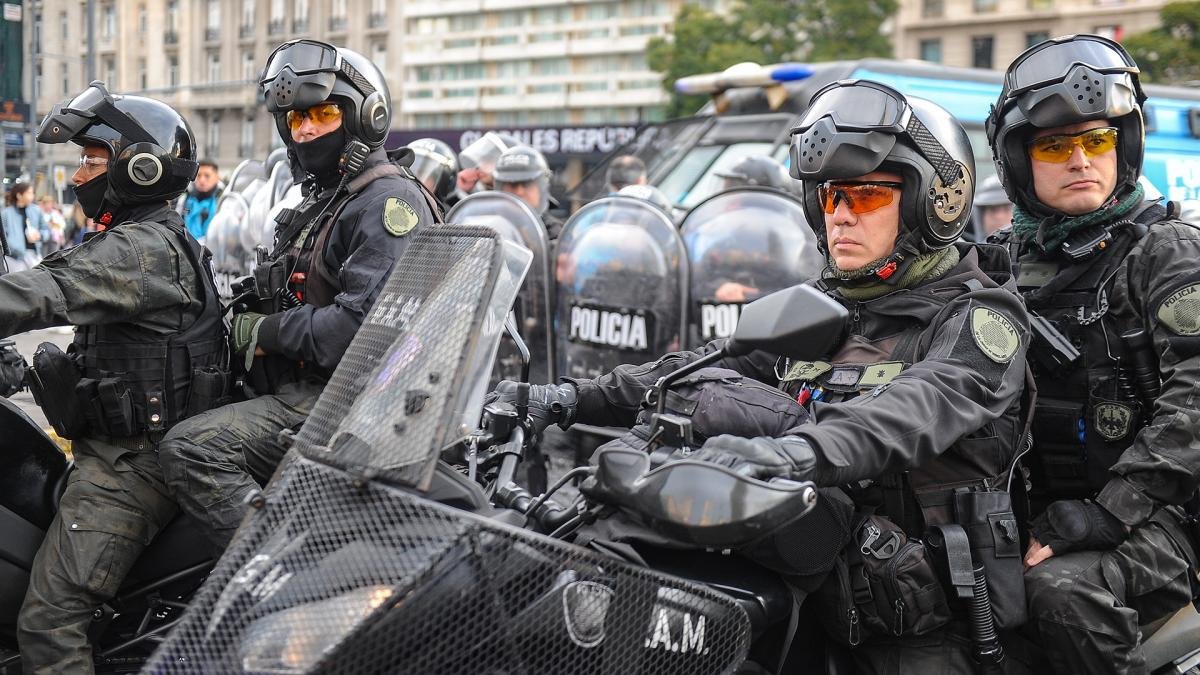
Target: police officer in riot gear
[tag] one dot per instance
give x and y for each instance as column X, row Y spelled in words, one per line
column 148, row 352
column 331, row 257
column 522, row 172
column 436, row 166
column 919, row 400
column 1109, row 278
column 756, row 170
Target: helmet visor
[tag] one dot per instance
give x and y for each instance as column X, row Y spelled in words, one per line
column 857, row 106
column 303, row 56
column 429, row 165
column 1051, row 61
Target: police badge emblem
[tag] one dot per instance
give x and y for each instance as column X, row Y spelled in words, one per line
column 1112, row 420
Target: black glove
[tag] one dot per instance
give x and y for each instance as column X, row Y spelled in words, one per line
column 1074, row 525
column 763, row 458
column 548, row 403
column 12, row 369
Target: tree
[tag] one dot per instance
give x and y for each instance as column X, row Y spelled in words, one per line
column 766, row 31
column 1170, row 54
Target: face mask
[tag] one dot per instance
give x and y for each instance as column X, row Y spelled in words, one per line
column 90, row 196
column 319, row 156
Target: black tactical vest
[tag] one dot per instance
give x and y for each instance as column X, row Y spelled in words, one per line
column 134, row 380
column 1088, row 410
column 924, row 496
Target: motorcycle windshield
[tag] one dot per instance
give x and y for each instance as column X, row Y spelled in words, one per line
column 515, row 221
column 621, row 275
column 742, row 245
column 342, row 572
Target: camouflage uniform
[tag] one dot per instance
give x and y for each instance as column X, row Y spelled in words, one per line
column 136, row 273
column 1090, row 604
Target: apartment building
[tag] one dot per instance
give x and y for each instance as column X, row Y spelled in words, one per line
column 465, row 64
column 989, row 33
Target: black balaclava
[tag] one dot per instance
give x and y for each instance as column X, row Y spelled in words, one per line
column 320, row 156
column 90, row 196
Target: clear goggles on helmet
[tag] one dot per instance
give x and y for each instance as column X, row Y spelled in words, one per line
column 1051, row 61
column 304, row 57
column 858, row 105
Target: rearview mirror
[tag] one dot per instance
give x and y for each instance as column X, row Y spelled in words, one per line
column 798, row 322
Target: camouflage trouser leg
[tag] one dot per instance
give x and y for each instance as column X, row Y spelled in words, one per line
column 212, row 461
column 1087, row 606
column 105, row 519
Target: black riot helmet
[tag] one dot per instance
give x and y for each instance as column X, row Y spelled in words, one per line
column 756, row 170
column 152, row 149
column 303, row 73
column 1070, row 79
column 435, row 164
column 854, row 127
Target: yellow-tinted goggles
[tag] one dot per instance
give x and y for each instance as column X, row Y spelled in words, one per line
column 860, row 196
column 322, row 113
column 1060, row 147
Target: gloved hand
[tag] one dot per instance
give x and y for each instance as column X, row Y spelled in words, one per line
column 548, row 403
column 763, row 458
column 12, row 369
column 1074, row 525
column 243, row 334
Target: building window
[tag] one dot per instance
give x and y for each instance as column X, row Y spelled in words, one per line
column 247, row 142
column 248, row 16
column 37, row 33
column 1041, row 5
column 338, row 9
column 108, row 22
column 37, row 75
column 173, row 16
column 212, row 24
column 110, row 72
column 985, row 6
column 1036, row 38
column 213, row 147
column 301, row 12
column 64, row 25
column 143, row 76
column 931, row 9
column 214, row 66
column 278, row 8
column 379, row 55
column 931, row 50
column 173, row 71
column 249, row 66
column 981, row 51
column 64, row 71
column 143, row 21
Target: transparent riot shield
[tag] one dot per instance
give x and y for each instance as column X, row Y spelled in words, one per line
column 513, row 219
column 224, row 239
column 742, row 245
column 621, row 279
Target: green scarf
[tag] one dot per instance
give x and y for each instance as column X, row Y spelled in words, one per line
column 923, row 268
column 1050, row 232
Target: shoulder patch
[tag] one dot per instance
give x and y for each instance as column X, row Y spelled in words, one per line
column 1180, row 311
column 399, row 218
column 994, row 334
column 806, row 370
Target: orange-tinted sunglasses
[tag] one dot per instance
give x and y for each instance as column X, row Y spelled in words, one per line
column 860, row 196
column 1059, row 147
column 322, row 113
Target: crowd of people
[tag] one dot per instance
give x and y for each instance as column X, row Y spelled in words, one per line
column 920, row 418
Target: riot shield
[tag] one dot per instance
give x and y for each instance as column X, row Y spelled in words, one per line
column 224, row 239
column 621, row 275
column 513, row 219
column 344, row 569
column 741, row 245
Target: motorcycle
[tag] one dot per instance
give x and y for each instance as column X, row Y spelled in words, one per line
column 125, row 630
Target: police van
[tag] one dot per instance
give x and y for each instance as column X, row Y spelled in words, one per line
column 753, row 109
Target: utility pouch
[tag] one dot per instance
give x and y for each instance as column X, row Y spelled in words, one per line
column 116, row 406
column 1059, row 421
column 886, row 586
column 270, row 279
column 53, row 378
column 987, row 517
column 210, row 389
column 86, row 393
